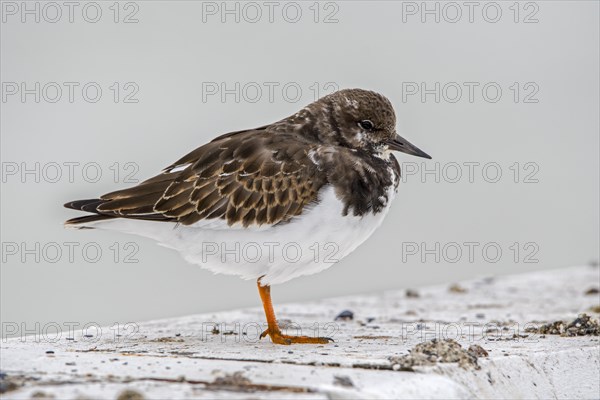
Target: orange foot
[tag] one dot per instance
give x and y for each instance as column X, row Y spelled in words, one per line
column 279, row 338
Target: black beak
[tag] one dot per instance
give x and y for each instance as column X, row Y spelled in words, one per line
column 403, row 145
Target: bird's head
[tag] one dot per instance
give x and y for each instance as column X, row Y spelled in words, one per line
column 362, row 120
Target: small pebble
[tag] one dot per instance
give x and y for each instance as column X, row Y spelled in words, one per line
column 343, row 381
column 345, row 315
column 477, row 350
column 456, row 288
column 8, row 386
column 129, row 394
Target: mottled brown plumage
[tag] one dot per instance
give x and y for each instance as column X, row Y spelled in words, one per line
column 271, row 174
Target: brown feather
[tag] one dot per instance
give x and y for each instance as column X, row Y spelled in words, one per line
column 271, row 174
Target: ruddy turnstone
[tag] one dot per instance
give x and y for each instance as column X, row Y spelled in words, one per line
column 271, row 203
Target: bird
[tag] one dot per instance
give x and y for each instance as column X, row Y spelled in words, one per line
column 273, row 203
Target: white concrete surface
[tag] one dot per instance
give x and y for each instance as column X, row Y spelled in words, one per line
column 187, row 358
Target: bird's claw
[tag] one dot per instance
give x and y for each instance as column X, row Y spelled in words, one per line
column 279, row 338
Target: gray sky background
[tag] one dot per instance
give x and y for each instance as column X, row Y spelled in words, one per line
column 540, row 132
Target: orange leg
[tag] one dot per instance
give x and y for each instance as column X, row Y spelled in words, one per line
column 273, row 330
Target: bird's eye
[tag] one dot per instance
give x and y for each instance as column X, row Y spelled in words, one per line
column 366, row 124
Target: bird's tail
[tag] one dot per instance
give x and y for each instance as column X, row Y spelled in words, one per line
column 90, row 205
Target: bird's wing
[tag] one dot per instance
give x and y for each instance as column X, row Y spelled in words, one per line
column 250, row 178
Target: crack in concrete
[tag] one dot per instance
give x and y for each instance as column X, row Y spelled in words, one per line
column 233, row 383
